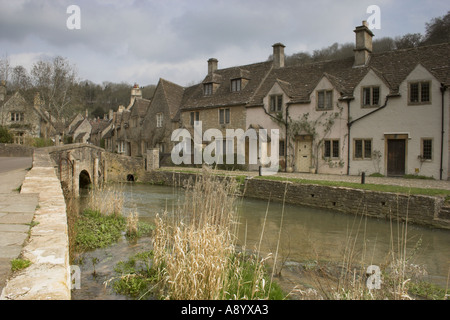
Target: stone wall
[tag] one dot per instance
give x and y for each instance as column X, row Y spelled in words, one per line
column 418, row 209
column 15, row 150
column 48, row 276
column 118, row 167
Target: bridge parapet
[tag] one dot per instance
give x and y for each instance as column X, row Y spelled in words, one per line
column 48, row 276
column 85, row 163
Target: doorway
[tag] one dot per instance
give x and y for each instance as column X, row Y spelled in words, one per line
column 396, row 157
column 303, row 153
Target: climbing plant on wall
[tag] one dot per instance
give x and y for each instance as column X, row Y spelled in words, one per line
column 318, row 128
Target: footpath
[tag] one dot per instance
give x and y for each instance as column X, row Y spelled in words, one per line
column 16, row 212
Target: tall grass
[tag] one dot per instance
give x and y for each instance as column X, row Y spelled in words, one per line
column 398, row 275
column 195, row 247
column 106, row 199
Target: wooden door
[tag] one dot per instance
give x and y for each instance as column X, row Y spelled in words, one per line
column 396, row 157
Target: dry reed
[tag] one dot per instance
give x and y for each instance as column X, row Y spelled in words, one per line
column 194, row 247
column 107, row 199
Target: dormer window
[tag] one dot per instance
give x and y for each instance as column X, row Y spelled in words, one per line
column 371, row 96
column 236, row 85
column 208, row 89
column 325, row 100
column 419, row 92
column 17, row 116
column 276, row 103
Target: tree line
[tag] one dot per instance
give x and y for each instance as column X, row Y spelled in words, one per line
column 436, row 31
column 61, row 93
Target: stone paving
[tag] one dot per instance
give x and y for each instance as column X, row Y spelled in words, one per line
column 16, row 214
column 47, row 245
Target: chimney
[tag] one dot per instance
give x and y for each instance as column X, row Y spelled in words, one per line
column 110, row 114
column 363, row 47
column 278, row 55
column 136, row 92
column 212, row 65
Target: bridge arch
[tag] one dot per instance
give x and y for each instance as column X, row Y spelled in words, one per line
column 84, row 179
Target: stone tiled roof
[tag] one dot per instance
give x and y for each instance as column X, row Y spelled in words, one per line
column 99, row 125
column 392, row 67
column 223, row 96
column 174, row 95
column 139, row 107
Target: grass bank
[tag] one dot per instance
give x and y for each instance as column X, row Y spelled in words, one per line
column 371, row 187
column 101, row 222
column 332, row 183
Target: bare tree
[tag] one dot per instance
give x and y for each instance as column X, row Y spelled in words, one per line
column 5, row 68
column 20, row 79
column 55, row 81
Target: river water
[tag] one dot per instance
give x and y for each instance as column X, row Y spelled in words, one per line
column 306, row 234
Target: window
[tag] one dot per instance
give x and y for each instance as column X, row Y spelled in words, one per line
column 19, row 138
column 276, row 103
column 224, row 147
column 281, row 148
column 208, row 89
column 195, row 116
column 17, row 116
column 427, row 149
column 121, row 147
column 159, row 120
column 419, row 92
column 236, row 85
column 363, row 149
column 331, row 149
column 161, row 147
column 325, row 99
column 370, row 96
column 224, row 116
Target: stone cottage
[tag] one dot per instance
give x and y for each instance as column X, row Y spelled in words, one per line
column 162, row 118
column 376, row 113
column 23, row 119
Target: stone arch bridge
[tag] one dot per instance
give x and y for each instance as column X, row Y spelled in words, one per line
column 79, row 165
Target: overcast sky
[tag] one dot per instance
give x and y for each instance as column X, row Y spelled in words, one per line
column 142, row 41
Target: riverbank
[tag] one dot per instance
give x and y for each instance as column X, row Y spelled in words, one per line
column 422, row 202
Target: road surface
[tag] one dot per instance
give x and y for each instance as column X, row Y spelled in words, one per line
column 14, row 163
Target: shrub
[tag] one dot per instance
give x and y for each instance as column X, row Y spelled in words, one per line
column 5, row 135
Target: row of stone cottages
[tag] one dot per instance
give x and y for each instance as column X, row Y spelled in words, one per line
column 382, row 113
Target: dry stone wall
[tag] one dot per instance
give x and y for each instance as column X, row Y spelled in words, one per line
column 418, row 209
